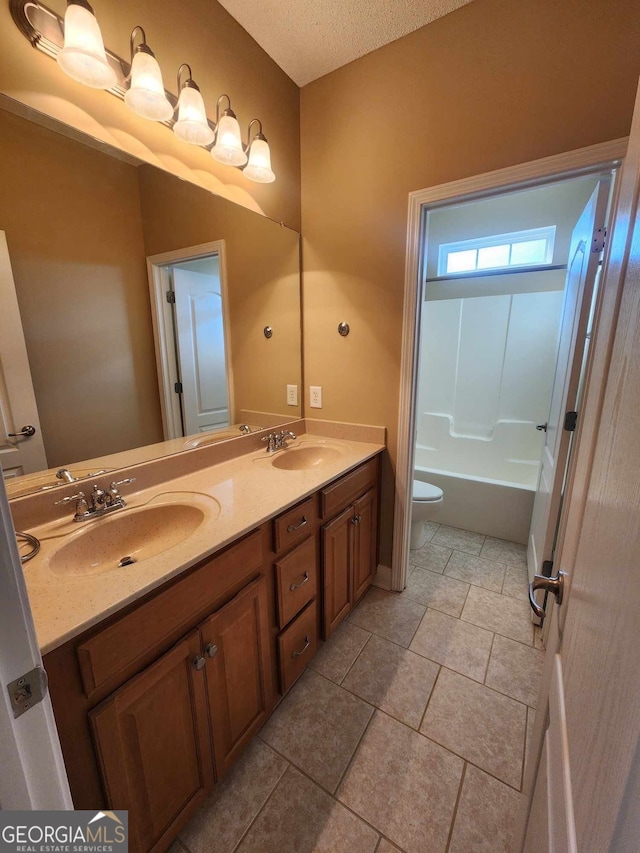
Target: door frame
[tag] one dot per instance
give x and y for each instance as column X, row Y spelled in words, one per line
column 163, row 329
column 571, row 164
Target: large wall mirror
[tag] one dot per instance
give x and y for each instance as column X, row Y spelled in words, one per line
column 156, row 315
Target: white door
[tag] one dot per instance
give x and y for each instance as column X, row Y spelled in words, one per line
column 18, row 454
column 582, row 269
column 201, row 351
column 583, row 773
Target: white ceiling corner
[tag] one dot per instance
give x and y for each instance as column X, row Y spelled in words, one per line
column 308, row 39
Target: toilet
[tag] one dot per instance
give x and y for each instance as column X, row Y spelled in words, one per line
column 426, row 503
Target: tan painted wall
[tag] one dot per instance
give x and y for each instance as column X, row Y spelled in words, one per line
column 72, row 218
column 224, row 58
column 493, row 84
column 263, row 282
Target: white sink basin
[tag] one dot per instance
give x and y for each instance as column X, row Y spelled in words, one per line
column 305, row 457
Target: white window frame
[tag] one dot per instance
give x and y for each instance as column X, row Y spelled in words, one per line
column 547, row 232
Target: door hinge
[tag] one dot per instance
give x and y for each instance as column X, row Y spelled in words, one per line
column 570, row 421
column 177, row 387
column 171, row 297
column 599, row 240
column 27, row 691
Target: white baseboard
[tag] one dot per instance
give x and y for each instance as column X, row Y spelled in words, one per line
column 382, row 577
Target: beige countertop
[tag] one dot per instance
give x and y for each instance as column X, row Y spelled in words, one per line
column 236, row 496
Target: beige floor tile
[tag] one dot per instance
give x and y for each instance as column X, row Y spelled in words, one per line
column 404, row 785
column 504, row 552
column 301, row 817
column 487, row 816
column 538, row 641
column 499, row 613
column 483, row 726
column 442, row 593
column 461, row 540
column 455, row 644
column 431, row 557
column 430, row 529
column 516, row 582
column 339, row 652
column 531, row 719
column 317, row 727
column 475, row 570
column 515, row 670
column 387, row 847
column 394, row 679
column 389, row 614
column 177, row 847
column 227, row 813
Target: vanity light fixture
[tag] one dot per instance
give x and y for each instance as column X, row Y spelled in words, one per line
column 258, row 168
column 192, row 125
column 146, row 95
column 76, row 44
column 228, row 148
column 83, row 57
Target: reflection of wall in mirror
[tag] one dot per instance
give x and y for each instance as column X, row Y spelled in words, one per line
column 78, row 244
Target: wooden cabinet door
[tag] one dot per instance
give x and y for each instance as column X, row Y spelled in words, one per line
column 364, row 562
column 239, row 677
column 152, row 740
column 336, row 556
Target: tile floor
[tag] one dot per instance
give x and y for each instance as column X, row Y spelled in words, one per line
column 408, row 732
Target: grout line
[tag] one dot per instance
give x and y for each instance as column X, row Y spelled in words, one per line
column 263, row 806
column 486, row 669
column 472, row 763
column 353, row 754
column 455, row 808
column 353, row 662
column 177, row 840
column 433, row 690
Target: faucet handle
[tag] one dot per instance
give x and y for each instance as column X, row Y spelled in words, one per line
column 124, row 482
column 70, row 498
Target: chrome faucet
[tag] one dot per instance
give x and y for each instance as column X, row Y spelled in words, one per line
column 278, row 440
column 100, row 501
column 245, row 429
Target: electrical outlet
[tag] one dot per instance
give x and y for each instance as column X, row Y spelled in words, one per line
column 292, row 395
column 315, row 396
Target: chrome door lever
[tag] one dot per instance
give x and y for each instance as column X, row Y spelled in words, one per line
column 554, row 585
column 25, row 432
column 542, row 427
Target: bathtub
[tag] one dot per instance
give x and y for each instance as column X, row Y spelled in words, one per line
column 493, row 507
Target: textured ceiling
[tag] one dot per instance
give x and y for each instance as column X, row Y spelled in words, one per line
column 310, row 38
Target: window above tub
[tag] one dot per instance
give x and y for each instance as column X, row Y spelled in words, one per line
column 530, row 248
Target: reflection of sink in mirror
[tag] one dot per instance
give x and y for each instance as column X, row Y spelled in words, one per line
column 306, row 455
column 46, row 480
column 135, row 535
column 220, row 435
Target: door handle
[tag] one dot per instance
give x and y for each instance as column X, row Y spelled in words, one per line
column 25, row 432
column 542, row 427
column 554, row 585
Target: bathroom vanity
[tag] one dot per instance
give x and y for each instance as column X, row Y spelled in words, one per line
column 161, row 670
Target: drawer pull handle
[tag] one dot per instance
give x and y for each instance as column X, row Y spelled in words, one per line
column 293, row 527
column 211, row 650
column 307, row 643
column 295, row 586
column 198, row 663
column 356, row 519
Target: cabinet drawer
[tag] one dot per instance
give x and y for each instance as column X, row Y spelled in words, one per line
column 296, row 580
column 297, row 645
column 294, row 525
column 114, row 654
column 339, row 495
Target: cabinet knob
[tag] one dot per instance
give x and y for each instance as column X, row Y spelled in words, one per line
column 211, row 650
column 198, row 663
column 356, row 519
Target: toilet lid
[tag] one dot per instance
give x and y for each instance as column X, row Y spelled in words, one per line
column 425, row 491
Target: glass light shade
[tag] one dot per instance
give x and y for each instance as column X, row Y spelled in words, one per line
column 192, row 118
column 82, row 56
column 228, row 147
column 146, row 95
column 259, row 166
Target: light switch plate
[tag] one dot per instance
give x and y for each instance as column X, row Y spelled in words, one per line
column 292, row 395
column 315, row 396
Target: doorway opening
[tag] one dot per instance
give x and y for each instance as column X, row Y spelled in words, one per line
column 193, row 350
column 505, row 283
